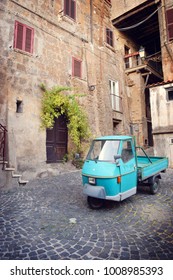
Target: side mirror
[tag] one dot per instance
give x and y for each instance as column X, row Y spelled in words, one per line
column 117, row 157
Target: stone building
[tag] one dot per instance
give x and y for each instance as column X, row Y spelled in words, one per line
column 80, row 44
column 67, row 43
column 149, row 24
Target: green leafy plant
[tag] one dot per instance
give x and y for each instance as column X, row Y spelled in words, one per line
column 55, row 103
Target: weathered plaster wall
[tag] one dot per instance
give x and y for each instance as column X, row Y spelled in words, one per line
column 161, row 108
column 162, row 121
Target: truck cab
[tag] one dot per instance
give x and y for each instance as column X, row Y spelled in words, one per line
column 110, row 169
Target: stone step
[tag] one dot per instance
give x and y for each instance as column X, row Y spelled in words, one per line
column 16, row 175
column 3, row 162
column 22, row 181
column 9, row 169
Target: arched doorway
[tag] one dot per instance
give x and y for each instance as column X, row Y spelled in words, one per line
column 56, row 140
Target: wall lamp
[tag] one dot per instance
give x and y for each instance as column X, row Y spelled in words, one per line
column 142, row 52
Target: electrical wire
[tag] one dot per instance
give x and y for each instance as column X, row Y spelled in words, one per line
column 139, row 23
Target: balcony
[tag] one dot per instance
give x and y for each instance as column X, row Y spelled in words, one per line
column 146, row 65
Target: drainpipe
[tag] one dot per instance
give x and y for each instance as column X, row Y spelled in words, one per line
column 91, row 20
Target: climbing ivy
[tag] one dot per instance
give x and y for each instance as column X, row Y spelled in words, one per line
column 55, row 103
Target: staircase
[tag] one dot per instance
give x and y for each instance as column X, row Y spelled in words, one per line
column 3, row 157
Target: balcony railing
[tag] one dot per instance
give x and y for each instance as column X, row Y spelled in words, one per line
column 134, row 60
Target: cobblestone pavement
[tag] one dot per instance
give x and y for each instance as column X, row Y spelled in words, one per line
column 49, row 219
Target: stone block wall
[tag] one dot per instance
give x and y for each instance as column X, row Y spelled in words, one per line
column 57, row 39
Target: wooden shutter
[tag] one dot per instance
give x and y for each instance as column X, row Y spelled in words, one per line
column 28, row 40
column 109, row 37
column 169, row 16
column 23, row 37
column 73, row 9
column 76, row 68
column 18, row 40
column 70, row 8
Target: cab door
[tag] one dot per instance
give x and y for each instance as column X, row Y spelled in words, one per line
column 128, row 169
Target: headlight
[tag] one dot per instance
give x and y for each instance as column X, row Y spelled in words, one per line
column 91, row 180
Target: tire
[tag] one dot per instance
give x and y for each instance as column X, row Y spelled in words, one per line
column 155, row 185
column 95, row 203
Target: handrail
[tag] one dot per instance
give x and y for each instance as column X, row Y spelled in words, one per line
column 3, row 134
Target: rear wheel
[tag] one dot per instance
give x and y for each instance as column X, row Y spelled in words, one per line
column 95, row 203
column 155, row 185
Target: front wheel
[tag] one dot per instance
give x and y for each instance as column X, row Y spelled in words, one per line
column 95, row 203
column 155, row 185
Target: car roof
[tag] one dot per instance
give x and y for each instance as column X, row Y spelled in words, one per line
column 114, row 137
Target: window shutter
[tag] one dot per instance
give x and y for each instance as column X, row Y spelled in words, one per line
column 169, row 16
column 28, row 41
column 67, row 7
column 23, row 37
column 73, row 9
column 18, row 36
column 76, row 68
column 70, row 8
column 109, row 37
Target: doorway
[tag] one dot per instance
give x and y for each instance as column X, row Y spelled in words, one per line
column 56, row 140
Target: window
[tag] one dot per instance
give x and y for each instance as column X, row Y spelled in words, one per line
column 169, row 17
column 19, row 106
column 127, row 152
column 76, row 68
column 70, row 8
column 170, row 94
column 115, row 98
column 109, row 37
column 127, row 57
column 23, row 37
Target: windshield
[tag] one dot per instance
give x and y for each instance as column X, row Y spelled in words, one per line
column 104, row 150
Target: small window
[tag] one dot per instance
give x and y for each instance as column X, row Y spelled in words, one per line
column 109, row 37
column 115, row 95
column 169, row 17
column 127, row 152
column 127, row 57
column 19, row 106
column 170, row 94
column 76, row 68
column 23, row 37
column 70, row 8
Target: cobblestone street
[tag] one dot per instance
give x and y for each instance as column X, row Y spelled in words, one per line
column 49, row 219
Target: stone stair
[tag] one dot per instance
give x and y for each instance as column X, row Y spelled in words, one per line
column 7, row 168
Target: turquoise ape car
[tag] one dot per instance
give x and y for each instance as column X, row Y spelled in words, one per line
column 112, row 170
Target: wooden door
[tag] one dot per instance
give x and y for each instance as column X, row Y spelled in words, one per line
column 56, row 140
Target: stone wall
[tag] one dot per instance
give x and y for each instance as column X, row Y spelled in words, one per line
column 57, row 39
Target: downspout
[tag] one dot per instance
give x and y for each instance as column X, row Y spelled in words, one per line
column 91, row 20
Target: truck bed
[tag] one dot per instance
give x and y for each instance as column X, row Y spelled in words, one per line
column 148, row 167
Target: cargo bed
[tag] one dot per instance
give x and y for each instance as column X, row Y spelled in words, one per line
column 150, row 166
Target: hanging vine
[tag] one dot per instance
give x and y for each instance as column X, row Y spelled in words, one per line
column 55, row 103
